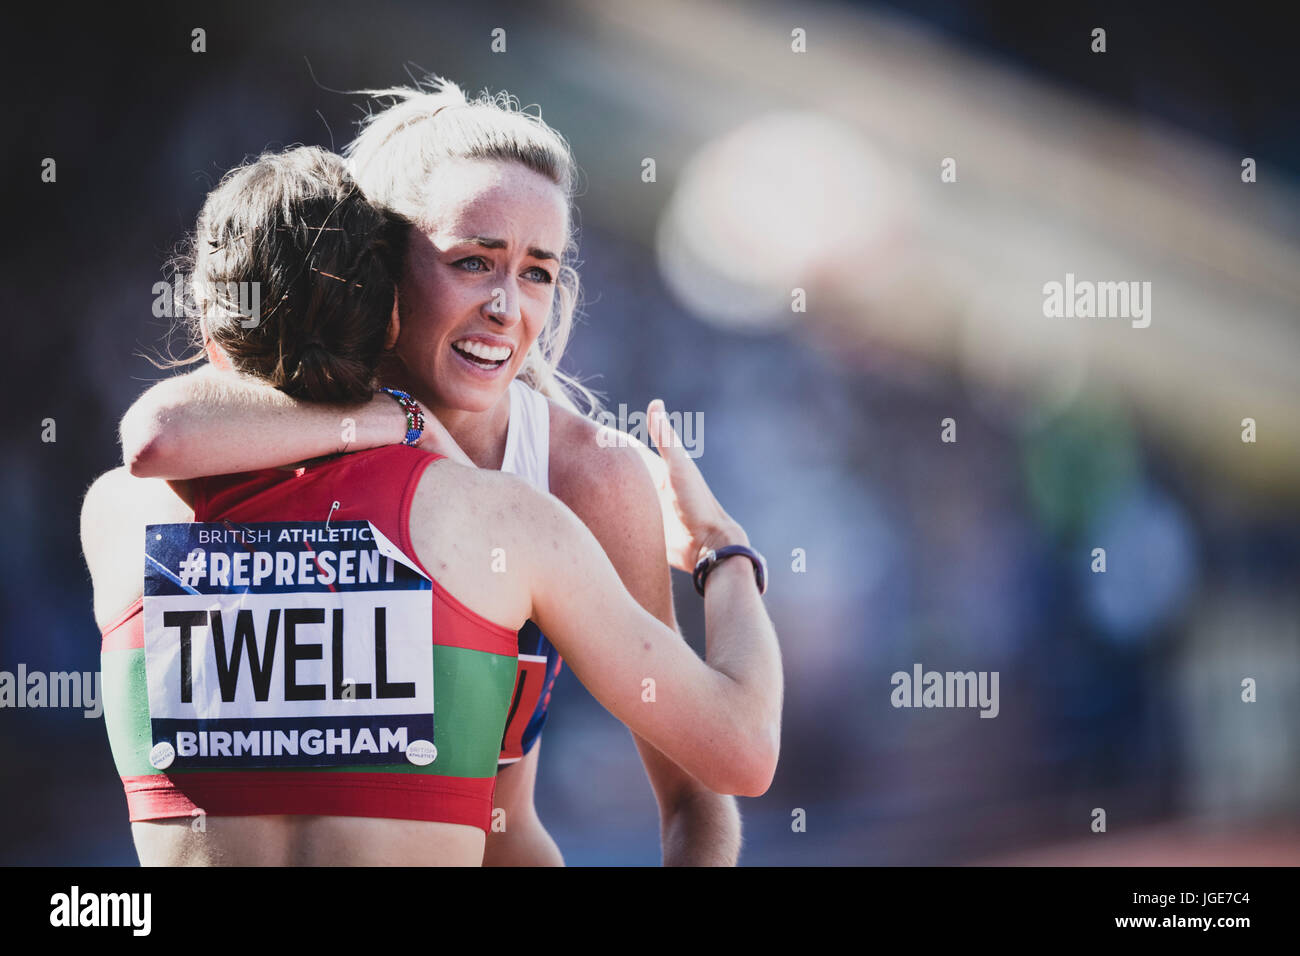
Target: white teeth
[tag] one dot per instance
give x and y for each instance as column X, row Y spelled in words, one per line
column 488, row 353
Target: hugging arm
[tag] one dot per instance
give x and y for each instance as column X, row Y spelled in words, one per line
column 718, row 721
column 611, row 491
column 211, row 422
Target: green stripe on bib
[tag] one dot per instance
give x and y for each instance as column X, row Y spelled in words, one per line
column 472, row 688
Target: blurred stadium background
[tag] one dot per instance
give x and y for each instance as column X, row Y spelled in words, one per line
column 778, row 171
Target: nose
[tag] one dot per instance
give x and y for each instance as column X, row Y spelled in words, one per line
column 502, row 305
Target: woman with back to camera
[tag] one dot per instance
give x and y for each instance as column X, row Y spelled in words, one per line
column 465, row 171
column 325, row 258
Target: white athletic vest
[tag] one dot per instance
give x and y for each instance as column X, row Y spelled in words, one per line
column 528, row 453
column 528, row 437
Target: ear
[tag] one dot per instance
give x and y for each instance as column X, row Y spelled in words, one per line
column 394, row 327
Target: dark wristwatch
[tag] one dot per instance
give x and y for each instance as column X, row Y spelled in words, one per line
column 711, row 559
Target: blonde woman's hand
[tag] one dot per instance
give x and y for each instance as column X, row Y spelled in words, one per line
column 694, row 521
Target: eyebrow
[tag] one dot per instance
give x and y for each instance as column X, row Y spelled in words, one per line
column 488, row 243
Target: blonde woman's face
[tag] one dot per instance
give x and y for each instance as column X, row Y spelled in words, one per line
column 479, row 282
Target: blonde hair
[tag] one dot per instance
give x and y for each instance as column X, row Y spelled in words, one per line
column 395, row 158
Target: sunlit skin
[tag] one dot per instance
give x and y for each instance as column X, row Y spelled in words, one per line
column 579, row 601
column 487, row 268
column 481, row 265
column 487, row 271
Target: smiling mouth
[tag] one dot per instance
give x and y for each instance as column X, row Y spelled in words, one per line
column 481, row 355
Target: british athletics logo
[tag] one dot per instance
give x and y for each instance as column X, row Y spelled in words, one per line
column 286, row 644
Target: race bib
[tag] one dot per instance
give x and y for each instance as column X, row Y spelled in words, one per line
column 286, row 644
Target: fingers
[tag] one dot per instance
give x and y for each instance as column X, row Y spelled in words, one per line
column 665, row 437
column 681, row 470
column 659, row 424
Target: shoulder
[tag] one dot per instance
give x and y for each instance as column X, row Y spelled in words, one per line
column 101, row 511
column 114, row 513
column 104, row 488
column 483, row 499
column 602, row 475
column 118, row 497
column 594, row 467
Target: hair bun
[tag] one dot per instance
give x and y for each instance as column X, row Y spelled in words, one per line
column 316, row 253
column 313, row 355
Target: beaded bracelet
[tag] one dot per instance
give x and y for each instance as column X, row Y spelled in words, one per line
column 414, row 417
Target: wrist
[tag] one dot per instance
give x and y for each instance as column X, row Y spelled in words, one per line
column 720, row 536
column 713, row 561
column 384, row 423
column 412, row 413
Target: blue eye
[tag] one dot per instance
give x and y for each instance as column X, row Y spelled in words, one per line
column 545, row 276
column 463, row 263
